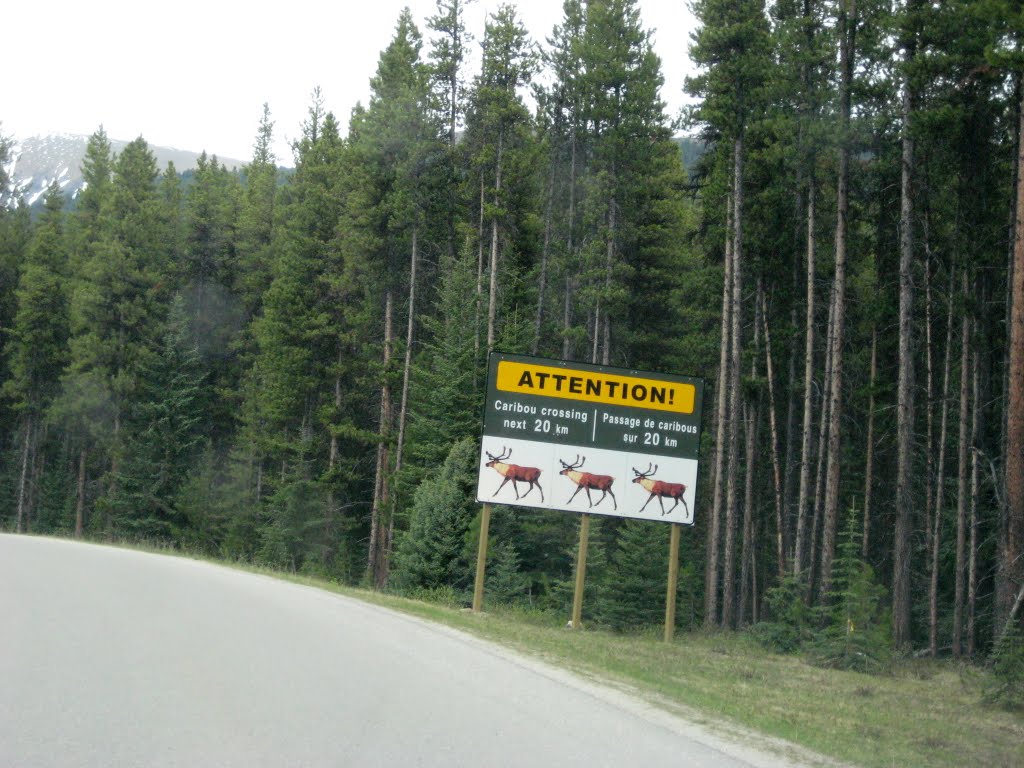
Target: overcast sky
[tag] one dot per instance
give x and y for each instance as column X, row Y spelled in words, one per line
column 194, row 74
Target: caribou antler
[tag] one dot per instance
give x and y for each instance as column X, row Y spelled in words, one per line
column 575, row 465
column 505, row 453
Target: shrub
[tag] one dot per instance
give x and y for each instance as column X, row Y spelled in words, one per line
column 856, row 635
column 791, row 625
column 1006, row 687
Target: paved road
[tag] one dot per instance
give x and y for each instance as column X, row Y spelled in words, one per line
column 116, row 658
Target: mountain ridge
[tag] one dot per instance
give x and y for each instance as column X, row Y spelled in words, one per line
column 37, row 161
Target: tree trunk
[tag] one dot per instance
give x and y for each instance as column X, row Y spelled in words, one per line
column 869, row 461
column 972, row 558
column 492, row 301
column 23, row 477
column 940, row 484
column 80, row 499
column 606, row 352
column 780, row 544
column 711, row 575
column 788, row 464
column 751, row 420
column 375, row 560
column 806, row 443
column 748, row 579
column 929, row 357
column 961, row 498
column 478, row 307
column 819, row 472
column 332, row 456
column 407, row 363
column 1011, row 571
column 901, row 600
column 735, row 390
column 544, row 253
column 571, row 249
column 114, row 470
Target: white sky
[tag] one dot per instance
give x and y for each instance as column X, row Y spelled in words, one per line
column 194, row 74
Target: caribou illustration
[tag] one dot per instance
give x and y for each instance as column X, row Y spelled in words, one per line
column 586, row 481
column 661, row 489
column 515, row 473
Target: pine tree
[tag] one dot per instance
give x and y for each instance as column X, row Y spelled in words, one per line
column 637, row 576
column 732, row 44
column 11, row 249
column 857, row 635
column 37, row 348
column 163, row 437
column 255, row 233
column 445, row 404
column 500, row 149
column 431, row 554
column 393, row 202
column 115, row 303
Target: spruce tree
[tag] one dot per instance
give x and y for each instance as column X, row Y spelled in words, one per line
column 430, row 555
column 389, row 225
column 116, row 300
column 500, row 153
column 732, row 45
column 256, row 219
column 637, row 576
column 163, row 437
column 37, row 348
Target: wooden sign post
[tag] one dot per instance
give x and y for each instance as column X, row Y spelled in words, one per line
column 581, row 572
column 481, row 559
column 673, row 582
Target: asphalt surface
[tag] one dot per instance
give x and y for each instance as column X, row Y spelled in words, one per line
column 111, row 657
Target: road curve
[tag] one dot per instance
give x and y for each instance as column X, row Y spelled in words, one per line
column 111, row 657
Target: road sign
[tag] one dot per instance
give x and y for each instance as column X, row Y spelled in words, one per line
column 590, row 438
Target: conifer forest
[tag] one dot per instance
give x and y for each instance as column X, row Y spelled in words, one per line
column 284, row 364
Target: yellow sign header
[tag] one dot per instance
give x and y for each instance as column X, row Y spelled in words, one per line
column 588, row 386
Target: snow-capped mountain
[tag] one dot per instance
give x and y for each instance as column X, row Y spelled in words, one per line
column 38, row 161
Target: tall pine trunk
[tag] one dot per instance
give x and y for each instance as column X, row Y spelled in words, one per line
column 407, row 362
column 378, row 531
column 492, row 300
column 606, row 352
column 869, row 460
column 735, row 391
column 751, row 419
column 332, row 456
column 780, row 525
column 806, row 444
column 962, row 476
column 972, row 558
column 80, row 497
column 542, row 283
column 1011, row 571
column 901, row 600
column 748, row 577
column 23, row 476
column 847, row 28
column 818, row 502
column 940, row 483
column 571, row 250
column 478, row 299
column 711, row 574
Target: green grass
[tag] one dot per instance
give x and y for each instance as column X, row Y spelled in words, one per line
column 926, row 714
